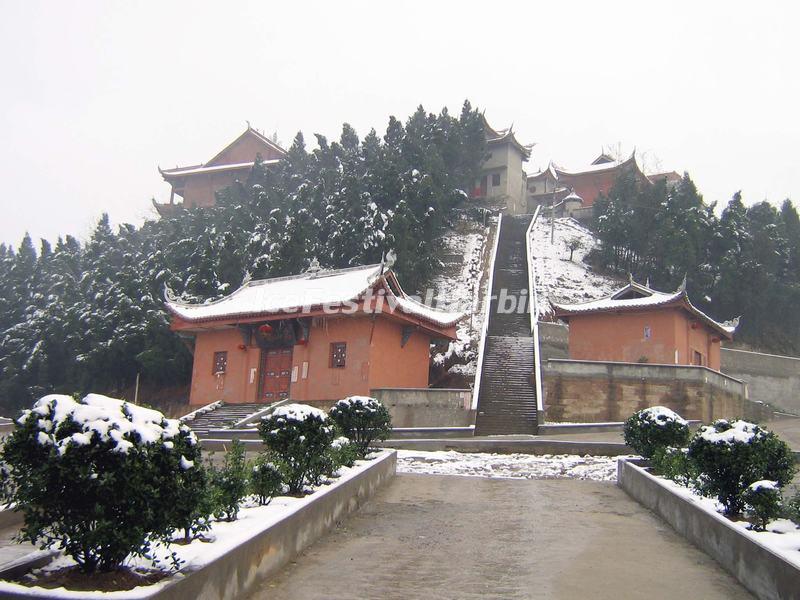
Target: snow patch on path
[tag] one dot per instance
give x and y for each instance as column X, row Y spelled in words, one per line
column 508, row 466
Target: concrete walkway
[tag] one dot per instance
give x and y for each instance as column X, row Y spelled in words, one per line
column 438, row 537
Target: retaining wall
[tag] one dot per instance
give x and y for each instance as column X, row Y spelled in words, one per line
column 770, row 378
column 592, row 391
column 764, row 573
column 427, row 407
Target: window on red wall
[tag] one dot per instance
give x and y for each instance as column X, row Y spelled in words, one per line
column 698, row 359
column 220, row 363
column 338, row 355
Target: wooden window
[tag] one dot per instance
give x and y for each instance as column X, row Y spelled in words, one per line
column 338, row 355
column 495, row 179
column 698, row 359
column 220, row 363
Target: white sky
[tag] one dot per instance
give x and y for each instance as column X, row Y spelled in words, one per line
column 95, row 94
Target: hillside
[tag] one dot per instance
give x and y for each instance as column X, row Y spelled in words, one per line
column 460, row 284
column 559, row 279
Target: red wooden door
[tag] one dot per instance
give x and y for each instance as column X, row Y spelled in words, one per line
column 276, row 370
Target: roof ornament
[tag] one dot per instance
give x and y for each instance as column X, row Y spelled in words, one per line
column 389, row 260
column 682, row 287
column 248, row 124
column 248, row 277
column 733, row 323
column 630, row 278
column 647, row 282
column 314, row 267
column 169, row 295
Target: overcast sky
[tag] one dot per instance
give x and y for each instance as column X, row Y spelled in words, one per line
column 96, row 95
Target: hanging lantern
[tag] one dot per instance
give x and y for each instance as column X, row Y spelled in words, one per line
column 265, row 329
column 302, row 342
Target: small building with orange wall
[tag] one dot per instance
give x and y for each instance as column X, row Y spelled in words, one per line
column 639, row 324
column 319, row 336
column 197, row 185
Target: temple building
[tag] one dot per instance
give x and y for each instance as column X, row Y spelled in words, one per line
column 637, row 324
column 502, row 178
column 584, row 185
column 197, row 185
column 315, row 337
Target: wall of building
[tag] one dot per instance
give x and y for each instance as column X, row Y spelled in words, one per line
column 597, row 392
column 621, row 337
column 375, row 359
column 770, row 378
column 200, row 189
column 427, row 407
column 234, row 386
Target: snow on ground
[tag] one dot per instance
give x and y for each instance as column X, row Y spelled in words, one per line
column 557, row 278
column 455, row 289
column 508, row 466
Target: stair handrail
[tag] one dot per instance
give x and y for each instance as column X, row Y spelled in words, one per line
column 487, row 309
column 534, row 312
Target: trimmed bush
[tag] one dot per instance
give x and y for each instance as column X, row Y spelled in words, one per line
column 342, row 453
column 298, row 437
column 762, row 501
column 99, row 478
column 732, row 455
column 265, row 480
column 229, row 483
column 656, row 427
column 362, row 420
column 674, row 464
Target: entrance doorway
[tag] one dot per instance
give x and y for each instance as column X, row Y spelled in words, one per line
column 275, row 374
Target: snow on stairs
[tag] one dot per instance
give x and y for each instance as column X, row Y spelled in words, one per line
column 224, row 416
column 507, row 396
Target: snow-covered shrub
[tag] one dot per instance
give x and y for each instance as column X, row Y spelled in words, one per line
column 362, row 420
column 298, row 436
column 194, row 502
column 342, row 453
column 98, row 478
column 655, row 427
column 791, row 509
column 229, row 483
column 675, row 464
column 265, row 480
column 731, row 455
column 762, row 502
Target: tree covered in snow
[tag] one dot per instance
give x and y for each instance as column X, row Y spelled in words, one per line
column 89, row 316
column 743, row 263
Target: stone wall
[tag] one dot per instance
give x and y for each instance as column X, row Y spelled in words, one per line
column 596, row 392
column 553, row 340
column 427, row 407
column 770, row 378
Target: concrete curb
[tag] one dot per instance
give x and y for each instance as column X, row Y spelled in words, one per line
column 764, row 573
column 236, row 573
column 503, row 446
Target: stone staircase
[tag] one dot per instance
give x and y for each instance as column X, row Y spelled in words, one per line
column 223, row 417
column 507, row 396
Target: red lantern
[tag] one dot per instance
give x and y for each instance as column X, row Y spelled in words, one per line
column 265, row 329
column 695, row 324
column 302, row 342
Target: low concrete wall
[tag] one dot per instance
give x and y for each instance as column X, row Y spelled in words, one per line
column 506, row 446
column 764, row 573
column 592, row 391
column 427, row 407
column 236, row 573
column 770, row 378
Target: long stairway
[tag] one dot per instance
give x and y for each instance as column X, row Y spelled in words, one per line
column 223, row 417
column 507, row 396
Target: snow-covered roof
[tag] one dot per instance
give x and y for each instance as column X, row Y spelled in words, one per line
column 201, row 169
column 635, row 296
column 311, row 290
column 573, row 196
